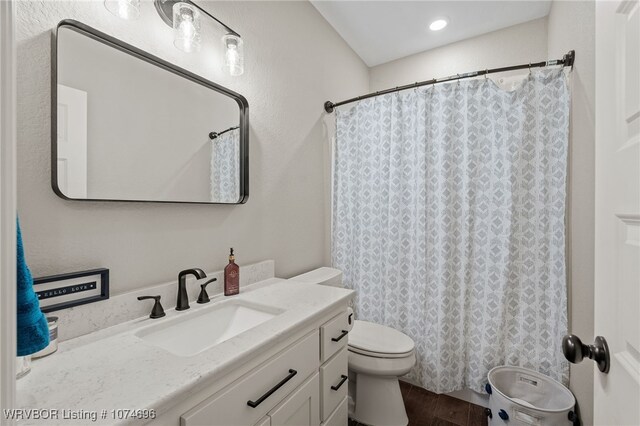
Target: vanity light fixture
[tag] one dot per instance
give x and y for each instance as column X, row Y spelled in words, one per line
column 184, row 17
column 234, row 54
column 186, row 27
column 438, row 24
column 125, row 9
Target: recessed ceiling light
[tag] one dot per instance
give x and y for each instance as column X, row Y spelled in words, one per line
column 438, row 24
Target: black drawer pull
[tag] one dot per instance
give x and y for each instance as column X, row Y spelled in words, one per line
column 254, row 404
column 337, row 339
column 344, row 379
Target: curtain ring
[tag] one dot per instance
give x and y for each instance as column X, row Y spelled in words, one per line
column 486, row 73
column 529, row 68
column 458, row 79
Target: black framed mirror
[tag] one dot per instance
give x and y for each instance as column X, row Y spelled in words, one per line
column 128, row 126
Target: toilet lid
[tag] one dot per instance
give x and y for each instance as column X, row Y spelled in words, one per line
column 368, row 337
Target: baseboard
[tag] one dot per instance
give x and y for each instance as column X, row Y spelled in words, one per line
column 465, row 394
column 472, row 397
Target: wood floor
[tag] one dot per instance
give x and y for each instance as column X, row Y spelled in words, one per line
column 426, row 408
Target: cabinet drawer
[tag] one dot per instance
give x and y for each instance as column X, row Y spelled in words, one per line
column 265, row 421
column 333, row 335
column 264, row 387
column 301, row 408
column 340, row 417
column 334, row 382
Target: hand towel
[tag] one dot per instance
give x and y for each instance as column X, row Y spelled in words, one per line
column 33, row 331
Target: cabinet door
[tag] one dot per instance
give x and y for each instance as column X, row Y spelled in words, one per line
column 301, row 408
column 265, row 386
column 333, row 383
column 340, row 417
column 265, row 421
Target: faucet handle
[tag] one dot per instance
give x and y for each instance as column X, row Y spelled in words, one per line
column 156, row 311
column 204, row 297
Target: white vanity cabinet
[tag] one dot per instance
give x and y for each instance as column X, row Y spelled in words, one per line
column 305, row 384
column 334, row 370
column 301, row 408
column 265, row 421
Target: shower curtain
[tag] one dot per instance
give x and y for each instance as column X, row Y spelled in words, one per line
column 225, row 163
column 449, row 222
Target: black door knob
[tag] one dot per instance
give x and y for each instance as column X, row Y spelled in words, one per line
column 575, row 351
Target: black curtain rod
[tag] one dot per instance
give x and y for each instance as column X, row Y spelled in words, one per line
column 566, row 61
column 214, row 135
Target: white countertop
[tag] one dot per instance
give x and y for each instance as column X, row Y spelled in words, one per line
column 115, row 369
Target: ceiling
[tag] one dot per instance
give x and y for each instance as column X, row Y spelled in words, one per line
column 382, row 31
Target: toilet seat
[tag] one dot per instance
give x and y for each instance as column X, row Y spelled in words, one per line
column 379, row 354
column 378, row 341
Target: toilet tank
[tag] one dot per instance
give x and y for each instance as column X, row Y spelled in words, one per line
column 324, row 276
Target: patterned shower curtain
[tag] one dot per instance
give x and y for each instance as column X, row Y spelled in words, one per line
column 225, row 168
column 449, row 222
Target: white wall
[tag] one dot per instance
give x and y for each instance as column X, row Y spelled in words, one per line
column 514, row 45
column 572, row 26
column 294, row 62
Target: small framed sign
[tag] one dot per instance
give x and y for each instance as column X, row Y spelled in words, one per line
column 63, row 291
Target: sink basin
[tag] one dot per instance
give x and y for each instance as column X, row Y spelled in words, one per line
column 198, row 331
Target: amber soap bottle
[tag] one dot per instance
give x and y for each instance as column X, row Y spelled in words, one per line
column 231, row 276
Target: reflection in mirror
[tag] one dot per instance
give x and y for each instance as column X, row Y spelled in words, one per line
column 134, row 128
column 225, row 158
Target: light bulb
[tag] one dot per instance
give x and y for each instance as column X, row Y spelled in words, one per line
column 234, row 54
column 124, row 9
column 186, row 27
column 438, row 24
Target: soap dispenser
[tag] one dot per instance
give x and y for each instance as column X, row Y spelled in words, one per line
column 231, row 276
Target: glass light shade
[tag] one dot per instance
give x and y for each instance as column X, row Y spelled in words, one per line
column 186, row 27
column 125, row 9
column 234, row 54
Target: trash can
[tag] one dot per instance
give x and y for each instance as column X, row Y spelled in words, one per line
column 519, row 396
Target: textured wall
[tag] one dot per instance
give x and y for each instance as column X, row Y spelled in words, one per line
column 294, row 62
column 572, row 26
column 513, row 45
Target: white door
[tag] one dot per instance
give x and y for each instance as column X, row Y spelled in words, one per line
column 301, row 408
column 617, row 258
column 72, row 142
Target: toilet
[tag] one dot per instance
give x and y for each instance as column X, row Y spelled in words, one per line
column 378, row 356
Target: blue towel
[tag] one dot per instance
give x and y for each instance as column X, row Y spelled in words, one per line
column 33, row 331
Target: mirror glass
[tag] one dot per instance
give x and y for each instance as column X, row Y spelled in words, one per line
column 131, row 127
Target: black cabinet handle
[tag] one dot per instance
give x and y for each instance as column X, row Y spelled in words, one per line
column 337, row 339
column 344, row 379
column 254, row 404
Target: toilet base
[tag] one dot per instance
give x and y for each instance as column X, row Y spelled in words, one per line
column 378, row 401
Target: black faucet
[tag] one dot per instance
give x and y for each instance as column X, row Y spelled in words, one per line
column 204, row 297
column 157, row 311
column 183, row 297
